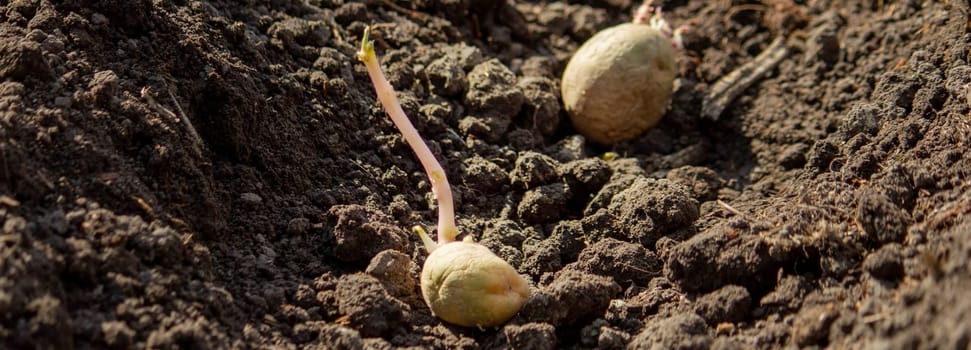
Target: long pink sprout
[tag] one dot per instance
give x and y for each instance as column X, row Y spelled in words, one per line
column 447, row 231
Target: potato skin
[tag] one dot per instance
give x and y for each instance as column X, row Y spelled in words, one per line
column 466, row 284
column 619, row 82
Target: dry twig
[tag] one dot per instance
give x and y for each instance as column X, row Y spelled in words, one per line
column 181, row 118
column 729, row 87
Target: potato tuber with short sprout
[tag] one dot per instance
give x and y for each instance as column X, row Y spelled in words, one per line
column 462, row 282
column 619, row 82
column 466, row 284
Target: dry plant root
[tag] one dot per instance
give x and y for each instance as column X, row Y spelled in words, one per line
column 730, row 86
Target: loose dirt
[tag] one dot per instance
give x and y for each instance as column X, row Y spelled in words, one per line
column 217, row 174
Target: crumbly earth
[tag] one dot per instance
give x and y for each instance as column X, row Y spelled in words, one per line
column 263, row 200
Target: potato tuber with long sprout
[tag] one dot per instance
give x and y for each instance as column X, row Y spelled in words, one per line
column 619, row 82
column 462, row 282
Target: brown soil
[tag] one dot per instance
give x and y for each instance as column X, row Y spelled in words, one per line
column 828, row 206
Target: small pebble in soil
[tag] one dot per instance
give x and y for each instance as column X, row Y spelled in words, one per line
column 394, row 270
column 251, row 198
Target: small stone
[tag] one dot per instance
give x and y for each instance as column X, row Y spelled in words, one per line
column 251, row 198
column 393, row 269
